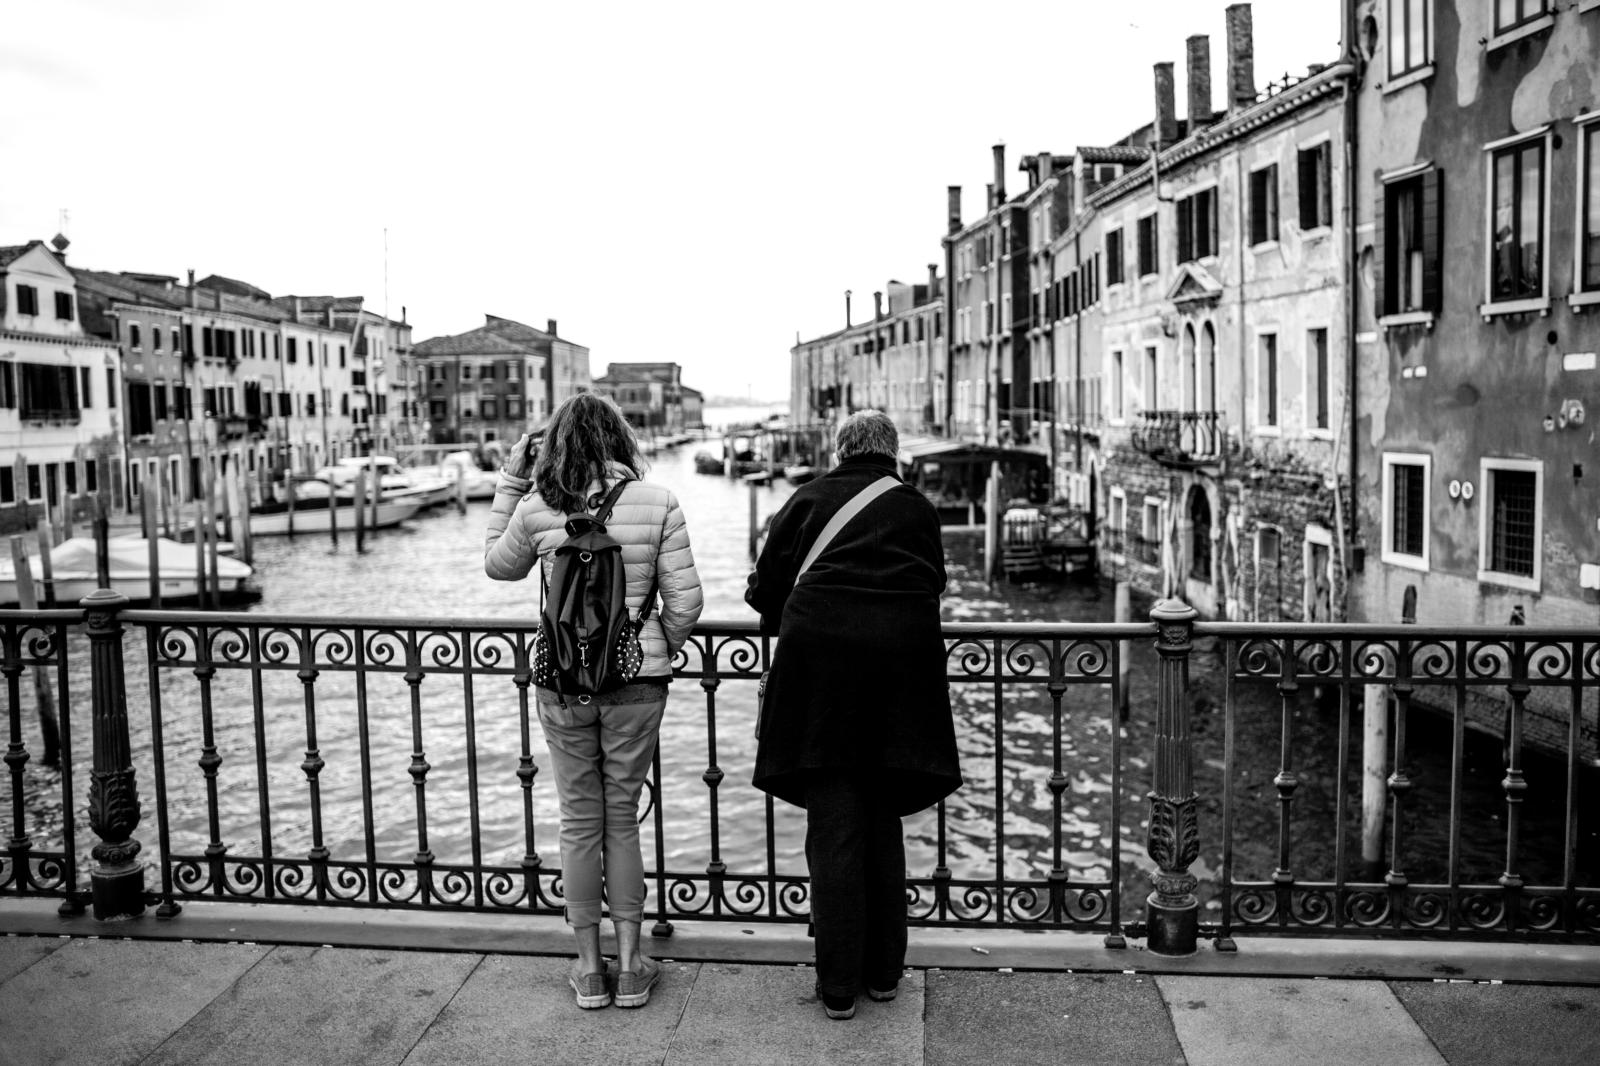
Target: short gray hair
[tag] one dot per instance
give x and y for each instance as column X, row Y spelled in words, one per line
column 867, row 433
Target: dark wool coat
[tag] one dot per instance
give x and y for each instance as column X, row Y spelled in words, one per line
column 858, row 674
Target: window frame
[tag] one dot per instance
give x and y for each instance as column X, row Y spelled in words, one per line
column 1486, row 576
column 1119, row 386
column 1322, row 146
column 65, row 300
column 1525, row 26
column 1189, row 230
column 1313, row 431
column 1152, row 218
column 1400, row 77
column 1491, row 152
column 1260, row 426
column 1116, row 265
column 1275, row 212
column 1388, row 554
column 1150, row 377
column 27, row 299
column 1427, row 179
column 1586, row 291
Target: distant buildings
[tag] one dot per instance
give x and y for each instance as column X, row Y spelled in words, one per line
column 651, row 395
column 1296, row 356
column 489, row 385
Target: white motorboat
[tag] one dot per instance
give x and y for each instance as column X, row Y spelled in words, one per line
column 394, row 480
column 314, row 510
column 455, row 466
column 75, row 572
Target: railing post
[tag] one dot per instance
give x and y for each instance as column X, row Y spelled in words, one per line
column 117, row 880
column 1174, row 836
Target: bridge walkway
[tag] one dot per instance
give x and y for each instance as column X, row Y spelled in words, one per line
column 242, row 984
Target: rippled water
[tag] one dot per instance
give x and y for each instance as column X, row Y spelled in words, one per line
column 431, row 569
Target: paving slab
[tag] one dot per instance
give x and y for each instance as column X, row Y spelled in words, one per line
column 1246, row 1021
column 1487, row 1025
column 351, row 1006
column 17, row 953
column 770, row 1014
column 112, row 1001
column 520, row 1009
column 1047, row 1018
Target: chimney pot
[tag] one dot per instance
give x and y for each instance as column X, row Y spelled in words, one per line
column 1166, row 128
column 1241, row 59
column 1000, row 174
column 194, row 297
column 1199, row 70
column 550, row 326
column 933, row 280
column 847, row 309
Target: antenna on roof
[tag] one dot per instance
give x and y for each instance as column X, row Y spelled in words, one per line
column 59, row 242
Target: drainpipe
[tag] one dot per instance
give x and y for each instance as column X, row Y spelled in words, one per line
column 1352, row 129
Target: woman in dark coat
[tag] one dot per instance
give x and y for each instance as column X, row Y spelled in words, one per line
column 856, row 723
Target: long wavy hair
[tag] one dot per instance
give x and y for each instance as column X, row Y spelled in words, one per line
column 586, row 434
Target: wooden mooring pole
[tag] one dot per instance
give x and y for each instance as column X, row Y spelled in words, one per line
column 49, row 724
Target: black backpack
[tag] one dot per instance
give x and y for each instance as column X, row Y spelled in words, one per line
column 586, row 643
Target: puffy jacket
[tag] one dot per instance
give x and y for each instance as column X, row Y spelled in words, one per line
column 649, row 525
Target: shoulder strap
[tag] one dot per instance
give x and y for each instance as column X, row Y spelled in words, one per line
column 602, row 514
column 842, row 516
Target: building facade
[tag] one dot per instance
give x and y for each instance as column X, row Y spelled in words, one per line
column 60, row 391
column 650, row 396
column 1478, row 200
column 488, row 386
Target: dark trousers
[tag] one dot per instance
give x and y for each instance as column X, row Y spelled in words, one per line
column 855, row 847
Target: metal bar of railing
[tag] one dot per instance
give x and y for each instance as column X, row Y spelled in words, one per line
column 364, row 746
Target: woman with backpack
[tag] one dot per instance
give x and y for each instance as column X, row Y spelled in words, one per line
column 601, row 744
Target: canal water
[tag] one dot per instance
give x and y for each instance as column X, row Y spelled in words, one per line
column 431, row 568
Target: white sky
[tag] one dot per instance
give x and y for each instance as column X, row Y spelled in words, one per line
column 685, row 181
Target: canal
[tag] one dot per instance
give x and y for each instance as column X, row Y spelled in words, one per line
column 431, row 567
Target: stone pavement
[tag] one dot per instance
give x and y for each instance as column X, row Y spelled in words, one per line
column 71, row 999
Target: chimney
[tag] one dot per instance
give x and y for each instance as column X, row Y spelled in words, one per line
column 550, row 326
column 1241, row 59
column 847, row 309
column 989, row 193
column 953, row 193
column 877, row 307
column 933, row 279
column 1166, row 128
column 194, row 297
column 402, row 314
column 296, row 300
column 999, row 174
column 1199, row 83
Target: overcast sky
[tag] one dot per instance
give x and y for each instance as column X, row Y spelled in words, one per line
column 684, row 181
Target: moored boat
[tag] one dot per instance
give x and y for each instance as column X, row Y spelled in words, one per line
column 317, row 513
column 75, row 572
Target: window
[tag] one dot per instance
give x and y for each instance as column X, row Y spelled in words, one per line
column 177, row 346
column 1509, row 14
column 1149, row 252
column 64, row 306
column 1264, row 205
column 70, row 469
column 8, row 485
column 35, row 482
column 91, row 475
column 1316, row 186
column 155, row 338
column 293, row 346
column 111, row 387
column 140, row 423
column 1267, row 381
column 27, row 300
column 1406, row 490
column 1410, row 36
column 341, row 355
column 466, row 371
column 1588, row 267
column 133, row 335
column 1511, row 522
column 1114, row 257
column 1516, row 222
column 47, row 393
column 1197, row 226
column 489, row 407
column 1412, row 213
column 159, row 394
column 1318, row 415
column 85, row 387
column 1118, row 408
column 1152, row 356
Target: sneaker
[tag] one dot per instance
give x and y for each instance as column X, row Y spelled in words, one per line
column 591, row 991
column 839, row 1008
column 883, row 995
column 633, row 989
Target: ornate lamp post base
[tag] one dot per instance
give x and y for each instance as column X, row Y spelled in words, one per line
column 118, row 890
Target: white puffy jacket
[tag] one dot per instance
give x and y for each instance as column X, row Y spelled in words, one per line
column 648, row 523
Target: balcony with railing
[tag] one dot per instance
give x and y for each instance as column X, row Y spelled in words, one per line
column 1179, row 438
column 392, row 763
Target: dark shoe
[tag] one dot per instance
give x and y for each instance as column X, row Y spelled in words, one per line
column 883, row 995
column 633, row 989
column 839, row 1008
column 591, row 991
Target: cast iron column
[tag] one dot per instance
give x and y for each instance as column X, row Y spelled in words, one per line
column 117, row 879
column 1174, row 840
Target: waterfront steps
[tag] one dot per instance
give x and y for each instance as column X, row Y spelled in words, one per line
column 255, row 984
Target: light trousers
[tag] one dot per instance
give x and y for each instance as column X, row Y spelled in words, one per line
column 600, row 753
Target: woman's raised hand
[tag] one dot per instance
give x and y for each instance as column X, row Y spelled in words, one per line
column 520, row 462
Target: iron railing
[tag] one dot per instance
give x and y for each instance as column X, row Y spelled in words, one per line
column 393, row 763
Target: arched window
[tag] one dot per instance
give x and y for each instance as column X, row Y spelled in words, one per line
column 1199, row 534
